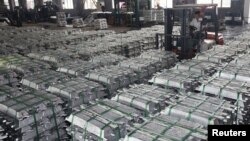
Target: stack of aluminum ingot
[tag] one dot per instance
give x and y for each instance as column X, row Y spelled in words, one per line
column 166, row 128
column 149, row 99
column 160, row 16
column 234, row 50
column 238, row 44
column 234, row 71
column 127, row 111
column 202, row 109
column 167, row 59
column 100, row 24
column 113, row 77
column 27, row 66
column 61, row 19
column 107, row 59
column 184, row 80
column 108, row 110
column 241, row 60
column 143, row 67
column 130, row 48
column 7, row 76
column 27, row 114
column 77, row 91
column 41, row 80
column 78, row 22
column 53, row 57
column 230, row 89
column 149, row 15
column 77, row 68
column 101, row 124
column 198, row 66
column 213, row 56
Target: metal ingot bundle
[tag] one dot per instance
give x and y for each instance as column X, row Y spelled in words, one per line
column 113, row 77
column 109, row 114
column 89, row 125
column 41, row 80
column 138, row 101
column 187, row 80
column 165, row 128
column 238, row 44
column 128, row 112
column 229, row 49
column 7, row 76
column 77, row 68
column 107, row 59
column 28, row 66
column 143, row 67
column 31, row 115
column 131, row 48
column 12, row 59
column 100, row 24
column 230, row 89
column 54, row 57
column 78, row 22
column 198, row 66
column 241, row 60
column 216, row 57
column 77, row 91
column 202, row 109
column 232, row 71
column 61, row 19
column 5, row 90
column 167, row 59
column 149, row 92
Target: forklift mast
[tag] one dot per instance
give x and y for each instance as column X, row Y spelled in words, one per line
column 181, row 16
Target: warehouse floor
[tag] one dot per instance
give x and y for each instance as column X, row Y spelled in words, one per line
column 67, row 83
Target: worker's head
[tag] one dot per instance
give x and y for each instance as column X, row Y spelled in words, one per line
column 197, row 14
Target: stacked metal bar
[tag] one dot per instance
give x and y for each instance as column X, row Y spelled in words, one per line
column 54, row 57
column 167, row 59
column 149, row 99
column 12, row 59
column 234, row 50
column 143, row 67
column 77, row 91
column 204, row 110
column 31, row 115
column 127, row 111
column 27, row 66
column 230, row 89
column 90, row 125
column 233, row 71
column 187, row 80
column 198, row 66
column 77, row 68
column 7, row 76
column 113, row 77
column 41, row 80
column 213, row 56
column 165, row 128
column 107, row 59
column 241, row 60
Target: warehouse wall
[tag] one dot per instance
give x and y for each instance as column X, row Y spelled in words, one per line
column 236, row 5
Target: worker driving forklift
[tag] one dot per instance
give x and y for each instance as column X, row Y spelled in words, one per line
column 198, row 29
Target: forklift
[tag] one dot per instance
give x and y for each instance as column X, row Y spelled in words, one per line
column 183, row 43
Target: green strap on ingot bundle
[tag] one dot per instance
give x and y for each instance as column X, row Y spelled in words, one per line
column 212, row 116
